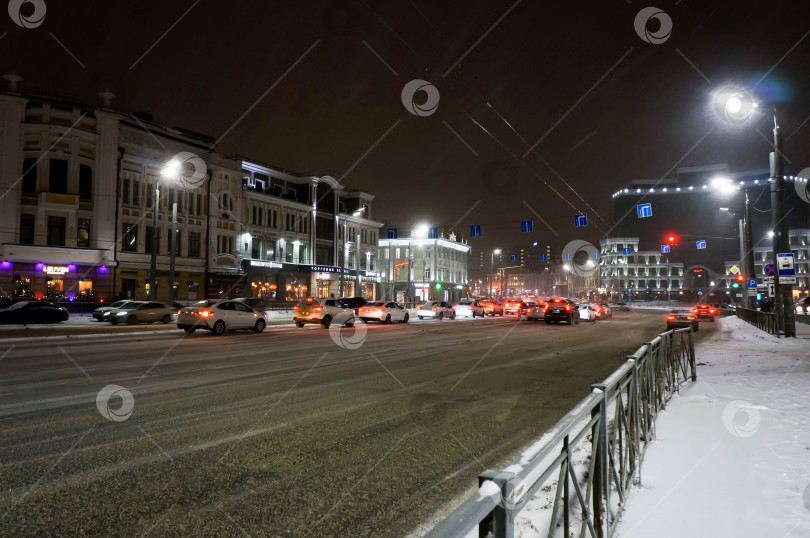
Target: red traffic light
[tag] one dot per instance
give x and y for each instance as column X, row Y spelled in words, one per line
column 672, row 238
column 740, row 278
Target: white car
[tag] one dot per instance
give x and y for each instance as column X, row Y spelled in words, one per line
column 98, row 313
column 141, row 312
column 469, row 308
column 323, row 312
column 588, row 312
column 435, row 309
column 383, row 312
column 220, row 316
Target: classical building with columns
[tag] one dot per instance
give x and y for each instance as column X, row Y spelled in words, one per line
column 78, row 189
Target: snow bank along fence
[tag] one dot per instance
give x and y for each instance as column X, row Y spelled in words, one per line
column 766, row 321
column 613, row 425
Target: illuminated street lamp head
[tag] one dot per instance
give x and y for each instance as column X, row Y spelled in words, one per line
column 723, row 185
column 420, row 230
column 172, row 169
column 496, row 251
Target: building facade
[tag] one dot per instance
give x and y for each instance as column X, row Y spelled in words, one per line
column 419, row 268
column 625, row 271
column 86, row 201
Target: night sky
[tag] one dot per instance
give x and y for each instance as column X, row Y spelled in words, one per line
column 317, row 85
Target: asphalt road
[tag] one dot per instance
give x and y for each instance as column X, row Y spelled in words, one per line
column 285, row 433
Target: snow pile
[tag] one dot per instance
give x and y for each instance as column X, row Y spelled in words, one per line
column 732, row 457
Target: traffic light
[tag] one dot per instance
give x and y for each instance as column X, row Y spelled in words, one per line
column 672, row 239
column 438, row 285
column 738, row 280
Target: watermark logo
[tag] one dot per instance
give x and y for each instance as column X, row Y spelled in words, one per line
column 417, row 87
column 733, row 105
column 187, row 168
column 500, row 178
column 801, row 183
column 642, row 24
column 741, row 419
column 351, row 339
column 580, row 258
column 116, row 413
column 30, row 20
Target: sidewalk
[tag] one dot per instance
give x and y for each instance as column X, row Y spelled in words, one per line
column 732, row 456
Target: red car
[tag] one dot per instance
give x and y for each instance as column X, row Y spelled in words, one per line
column 704, row 311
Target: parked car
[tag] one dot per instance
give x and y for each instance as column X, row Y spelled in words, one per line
column 492, row 307
column 34, row 312
column 141, row 312
column 323, row 312
column 435, row 309
column 98, row 313
column 682, row 318
column 469, row 308
column 587, row 312
column 604, row 311
column 704, row 311
column 385, row 312
column 559, row 309
column 725, row 310
column 513, row 307
column 620, row 306
column 220, row 316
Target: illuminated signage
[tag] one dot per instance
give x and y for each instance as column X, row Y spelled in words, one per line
column 260, row 263
column 55, row 269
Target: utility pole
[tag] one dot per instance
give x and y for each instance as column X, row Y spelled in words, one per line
column 786, row 317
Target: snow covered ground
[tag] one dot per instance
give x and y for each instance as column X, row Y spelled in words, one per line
column 732, row 457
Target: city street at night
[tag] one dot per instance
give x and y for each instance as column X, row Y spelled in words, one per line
column 286, row 432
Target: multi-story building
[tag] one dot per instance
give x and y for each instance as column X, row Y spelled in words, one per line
column 78, row 189
column 422, row 268
column 306, row 235
column 626, row 271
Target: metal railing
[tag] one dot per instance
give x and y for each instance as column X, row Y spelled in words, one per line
column 612, row 426
column 765, row 321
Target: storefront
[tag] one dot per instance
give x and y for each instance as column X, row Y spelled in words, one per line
column 279, row 281
column 52, row 281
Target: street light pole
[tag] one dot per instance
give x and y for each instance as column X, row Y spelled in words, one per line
column 172, row 248
column 784, row 292
column 153, row 263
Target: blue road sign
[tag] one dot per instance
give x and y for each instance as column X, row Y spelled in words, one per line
column 769, row 270
column 644, row 210
column 700, row 290
column 475, row 230
column 513, row 257
column 526, row 226
column 580, row 219
column 701, row 244
column 664, row 249
column 392, row 233
column 785, row 264
column 752, row 283
column 627, row 251
column 433, row 233
column 543, row 257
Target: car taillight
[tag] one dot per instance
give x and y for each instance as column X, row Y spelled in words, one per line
column 295, row 307
column 204, row 313
column 545, row 308
column 711, row 311
column 419, row 307
column 179, row 311
column 690, row 318
column 694, row 311
column 568, row 308
column 317, row 308
column 670, row 318
column 433, row 308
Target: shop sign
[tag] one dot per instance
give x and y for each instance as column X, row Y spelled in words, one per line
column 261, row 263
column 55, row 269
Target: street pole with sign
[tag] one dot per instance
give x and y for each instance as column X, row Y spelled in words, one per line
column 783, row 300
